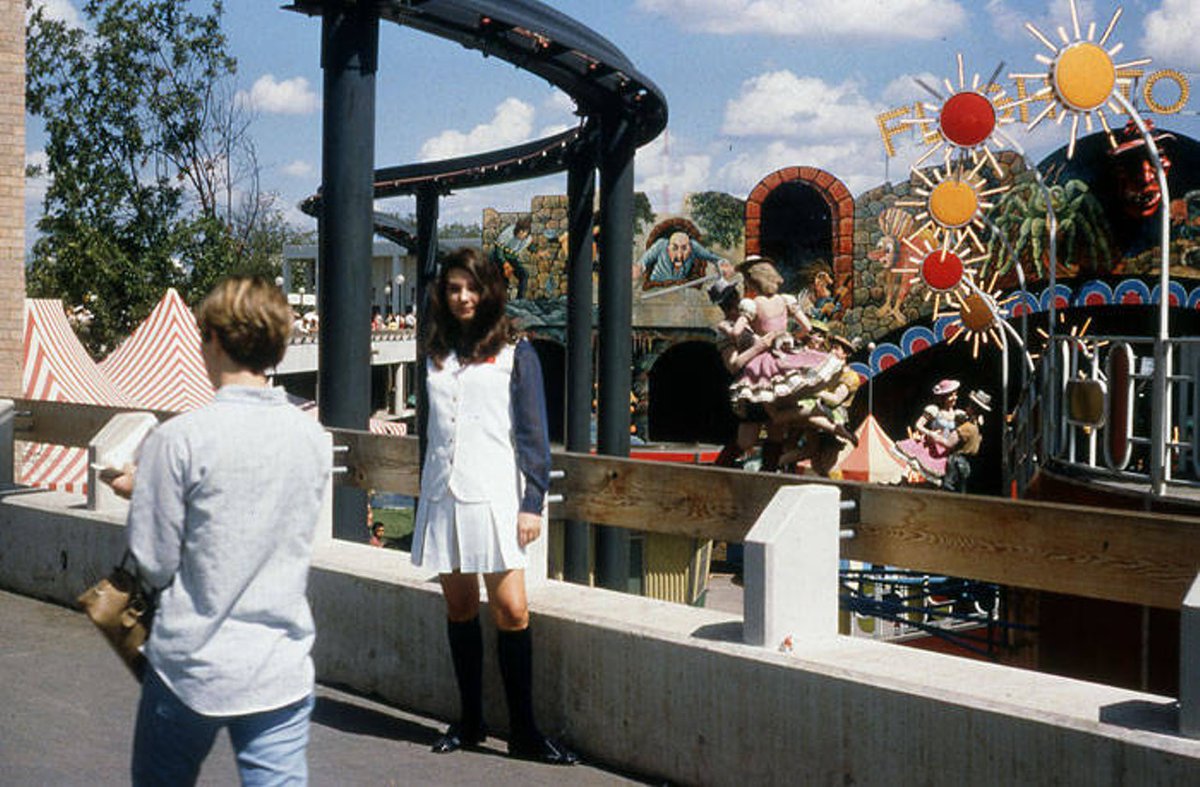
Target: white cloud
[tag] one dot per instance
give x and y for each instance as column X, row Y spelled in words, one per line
column 781, row 104
column 298, row 169
column 857, row 163
column 287, row 97
column 904, row 90
column 667, row 179
column 511, row 123
column 1170, row 34
column 60, row 10
column 1009, row 23
column 558, row 102
column 878, row 19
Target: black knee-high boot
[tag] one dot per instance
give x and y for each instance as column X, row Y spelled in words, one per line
column 466, row 651
column 515, row 652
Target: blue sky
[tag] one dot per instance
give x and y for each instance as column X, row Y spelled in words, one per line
column 752, row 85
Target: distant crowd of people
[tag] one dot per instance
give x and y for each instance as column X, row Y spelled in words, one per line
column 309, row 323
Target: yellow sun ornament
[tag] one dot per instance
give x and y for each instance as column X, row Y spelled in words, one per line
column 951, row 205
column 1082, row 78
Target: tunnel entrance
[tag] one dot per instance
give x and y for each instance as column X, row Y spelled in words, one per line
column 689, row 396
column 797, row 232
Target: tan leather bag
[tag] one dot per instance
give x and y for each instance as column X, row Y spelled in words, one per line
column 122, row 610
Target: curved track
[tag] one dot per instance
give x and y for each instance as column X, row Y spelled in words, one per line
column 538, row 39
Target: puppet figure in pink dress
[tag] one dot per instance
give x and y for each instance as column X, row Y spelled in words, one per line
column 788, row 370
column 930, row 440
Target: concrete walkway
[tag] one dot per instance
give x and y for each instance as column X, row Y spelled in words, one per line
column 67, row 710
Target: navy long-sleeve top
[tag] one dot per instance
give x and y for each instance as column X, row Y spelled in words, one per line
column 530, row 426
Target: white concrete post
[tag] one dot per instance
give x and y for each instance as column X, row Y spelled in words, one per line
column 1189, row 663
column 791, row 568
column 114, row 446
column 8, row 455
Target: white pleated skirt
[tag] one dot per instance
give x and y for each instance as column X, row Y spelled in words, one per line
column 474, row 538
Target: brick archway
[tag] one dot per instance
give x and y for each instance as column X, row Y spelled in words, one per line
column 836, row 196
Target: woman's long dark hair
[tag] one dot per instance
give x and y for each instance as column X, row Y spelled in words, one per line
column 488, row 331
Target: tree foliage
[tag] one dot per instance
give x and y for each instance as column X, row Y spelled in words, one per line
column 153, row 182
column 643, row 214
column 720, row 216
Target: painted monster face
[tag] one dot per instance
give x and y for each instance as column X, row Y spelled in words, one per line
column 1139, row 190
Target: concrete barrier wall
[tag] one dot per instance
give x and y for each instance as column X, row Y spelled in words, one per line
column 670, row 691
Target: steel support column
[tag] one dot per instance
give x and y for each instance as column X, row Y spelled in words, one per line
column 615, row 339
column 427, row 244
column 581, row 195
column 349, row 50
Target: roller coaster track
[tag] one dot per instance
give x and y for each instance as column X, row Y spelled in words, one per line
column 536, row 38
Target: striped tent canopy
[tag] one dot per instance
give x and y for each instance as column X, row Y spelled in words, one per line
column 159, row 365
column 161, row 368
column 58, row 369
column 872, row 460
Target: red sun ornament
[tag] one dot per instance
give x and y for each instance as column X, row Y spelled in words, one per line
column 942, row 270
column 967, row 119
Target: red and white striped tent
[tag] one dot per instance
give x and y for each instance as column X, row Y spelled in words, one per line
column 58, row 369
column 872, row 460
column 159, row 365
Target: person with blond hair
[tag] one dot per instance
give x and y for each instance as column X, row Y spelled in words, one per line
column 224, row 507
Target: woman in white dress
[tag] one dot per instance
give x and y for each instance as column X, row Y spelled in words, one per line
column 483, row 483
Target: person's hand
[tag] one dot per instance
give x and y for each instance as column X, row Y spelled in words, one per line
column 529, row 527
column 121, row 480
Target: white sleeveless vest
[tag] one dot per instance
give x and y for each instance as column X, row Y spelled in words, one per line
column 471, row 451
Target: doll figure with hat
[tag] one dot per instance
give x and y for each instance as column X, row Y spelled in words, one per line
column 738, row 345
column 776, row 378
column 934, row 435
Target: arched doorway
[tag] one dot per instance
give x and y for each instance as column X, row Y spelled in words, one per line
column 553, row 357
column 796, row 232
column 799, row 216
column 689, row 396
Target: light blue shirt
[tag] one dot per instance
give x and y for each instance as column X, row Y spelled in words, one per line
column 222, row 518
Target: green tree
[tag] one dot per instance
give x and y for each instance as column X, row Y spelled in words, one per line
column 643, row 214
column 720, row 216
column 153, row 182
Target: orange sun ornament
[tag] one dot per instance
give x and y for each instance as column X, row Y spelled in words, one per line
column 951, row 206
column 1082, row 78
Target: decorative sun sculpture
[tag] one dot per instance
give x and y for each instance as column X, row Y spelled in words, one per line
column 951, row 205
column 1081, row 77
column 946, row 272
column 981, row 317
column 968, row 120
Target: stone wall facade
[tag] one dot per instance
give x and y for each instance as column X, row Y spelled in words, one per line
column 12, row 193
column 546, row 256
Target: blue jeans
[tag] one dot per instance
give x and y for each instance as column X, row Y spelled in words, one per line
column 171, row 740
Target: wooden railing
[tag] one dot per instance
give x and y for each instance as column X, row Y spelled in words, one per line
column 1140, row 558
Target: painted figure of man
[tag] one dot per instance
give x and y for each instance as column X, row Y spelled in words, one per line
column 507, row 250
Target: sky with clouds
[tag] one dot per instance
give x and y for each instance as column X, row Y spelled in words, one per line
column 752, row 86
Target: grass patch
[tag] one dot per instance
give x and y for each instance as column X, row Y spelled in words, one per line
column 397, row 522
